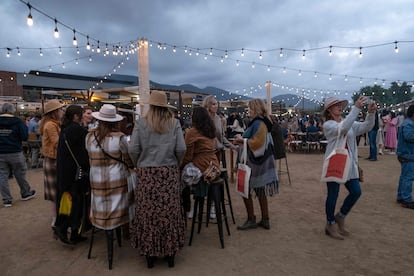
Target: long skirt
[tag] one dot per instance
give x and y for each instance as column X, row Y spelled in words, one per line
column 50, row 178
column 158, row 227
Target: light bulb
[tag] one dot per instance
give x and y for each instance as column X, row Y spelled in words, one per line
column 211, row 52
column 330, row 51
column 304, row 54
column 40, row 52
column 242, row 52
column 88, row 45
column 98, row 49
column 18, row 52
column 226, row 55
column 396, row 50
column 360, row 52
column 75, row 41
column 281, row 52
column 260, row 55
column 29, row 17
column 60, row 50
column 56, row 34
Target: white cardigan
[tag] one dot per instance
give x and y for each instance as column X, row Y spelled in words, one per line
column 353, row 129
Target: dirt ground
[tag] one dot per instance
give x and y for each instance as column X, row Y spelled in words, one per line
column 381, row 240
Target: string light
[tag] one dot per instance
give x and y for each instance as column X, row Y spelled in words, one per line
column 40, row 52
column 74, row 41
column 18, row 52
column 56, row 33
column 242, row 52
column 260, row 55
column 360, row 52
column 8, row 53
column 226, row 54
column 29, row 17
column 98, row 50
column 60, row 50
column 396, row 50
column 88, row 45
column 281, row 52
column 211, row 52
column 304, row 54
column 330, row 51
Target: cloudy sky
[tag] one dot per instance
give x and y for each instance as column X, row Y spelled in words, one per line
column 245, row 38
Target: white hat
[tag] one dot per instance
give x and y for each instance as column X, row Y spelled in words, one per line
column 107, row 113
column 332, row 101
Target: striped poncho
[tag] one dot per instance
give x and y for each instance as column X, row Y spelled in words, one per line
column 260, row 157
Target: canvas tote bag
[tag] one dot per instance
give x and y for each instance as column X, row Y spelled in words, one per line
column 337, row 164
column 243, row 173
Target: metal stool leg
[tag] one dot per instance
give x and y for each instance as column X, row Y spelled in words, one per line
column 110, row 241
column 91, row 243
column 216, row 193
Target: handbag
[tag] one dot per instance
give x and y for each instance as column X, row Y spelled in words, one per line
column 65, row 206
column 243, row 173
column 212, row 174
column 336, row 166
column 80, row 174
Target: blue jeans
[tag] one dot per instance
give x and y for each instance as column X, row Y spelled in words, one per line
column 17, row 163
column 354, row 189
column 372, row 136
column 405, row 187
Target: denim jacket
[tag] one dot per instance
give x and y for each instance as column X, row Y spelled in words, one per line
column 405, row 147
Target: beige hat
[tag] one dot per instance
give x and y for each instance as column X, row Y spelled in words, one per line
column 159, row 98
column 333, row 101
column 107, row 113
column 52, row 105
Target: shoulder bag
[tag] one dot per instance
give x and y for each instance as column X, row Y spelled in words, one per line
column 243, row 173
column 337, row 164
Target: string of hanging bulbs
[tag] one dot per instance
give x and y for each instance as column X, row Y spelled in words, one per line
column 121, row 48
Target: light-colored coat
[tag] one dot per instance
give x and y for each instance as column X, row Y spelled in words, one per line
column 108, row 178
column 353, row 129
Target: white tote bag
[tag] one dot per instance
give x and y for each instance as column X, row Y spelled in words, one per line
column 243, row 173
column 337, row 165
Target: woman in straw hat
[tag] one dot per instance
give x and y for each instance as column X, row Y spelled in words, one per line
column 109, row 162
column 333, row 110
column 157, row 148
column 49, row 129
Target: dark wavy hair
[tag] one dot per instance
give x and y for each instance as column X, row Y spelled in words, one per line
column 70, row 113
column 202, row 121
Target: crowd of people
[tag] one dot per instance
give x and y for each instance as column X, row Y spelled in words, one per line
column 89, row 156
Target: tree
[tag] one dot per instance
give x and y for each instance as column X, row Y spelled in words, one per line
column 385, row 97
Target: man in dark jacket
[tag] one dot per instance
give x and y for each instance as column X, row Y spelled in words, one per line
column 12, row 132
column 405, row 152
column 372, row 136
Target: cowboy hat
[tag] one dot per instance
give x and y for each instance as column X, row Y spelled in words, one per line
column 52, row 105
column 333, row 101
column 159, row 98
column 107, row 113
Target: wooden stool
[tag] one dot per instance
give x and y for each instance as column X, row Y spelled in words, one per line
column 110, row 242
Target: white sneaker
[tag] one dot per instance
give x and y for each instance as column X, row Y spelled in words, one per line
column 212, row 212
column 191, row 213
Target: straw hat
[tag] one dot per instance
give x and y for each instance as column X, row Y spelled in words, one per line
column 107, row 113
column 333, row 101
column 159, row 98
column 52, row 105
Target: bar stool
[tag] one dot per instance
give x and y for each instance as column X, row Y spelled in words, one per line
column 225, row 177
column 110, row 242
column 214, row 193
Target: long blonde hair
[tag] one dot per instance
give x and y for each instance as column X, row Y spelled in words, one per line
column 51, row 116
column 259, row 108
column 160, row 119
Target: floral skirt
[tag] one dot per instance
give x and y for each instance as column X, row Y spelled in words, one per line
column 158, row 227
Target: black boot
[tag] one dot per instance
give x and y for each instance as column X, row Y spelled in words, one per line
column 61, row 234
column 170, row 260
column 76, row 238
column 150, row 261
